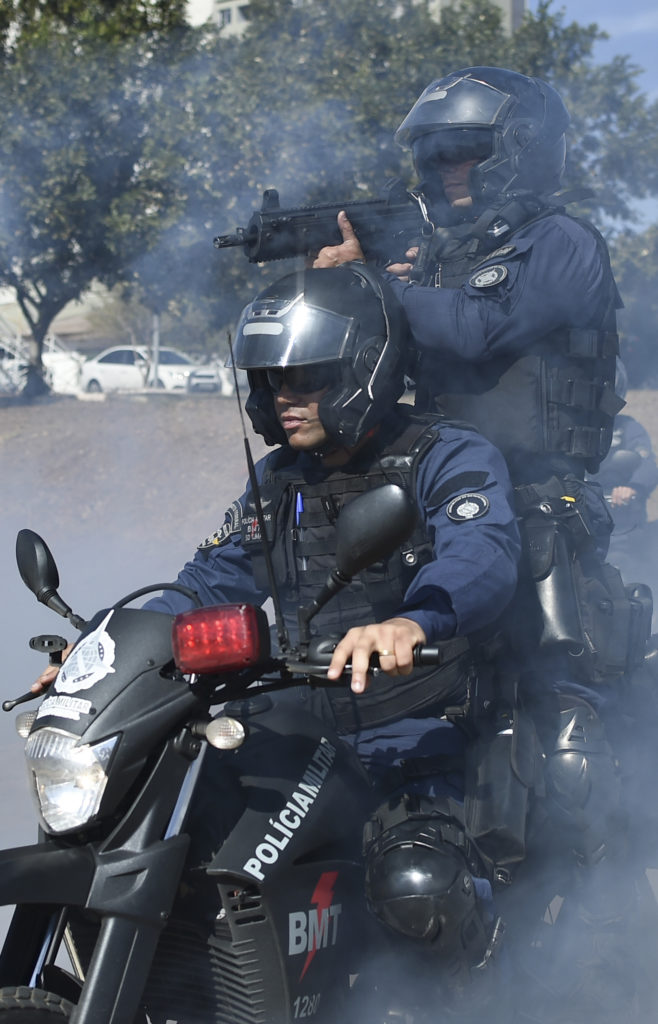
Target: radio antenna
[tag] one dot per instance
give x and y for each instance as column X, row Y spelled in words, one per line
column 282, row 632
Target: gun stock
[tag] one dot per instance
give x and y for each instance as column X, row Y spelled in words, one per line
column 385, row 227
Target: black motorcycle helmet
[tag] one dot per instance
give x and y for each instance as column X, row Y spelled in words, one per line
column 514, row 126
column 345, row 323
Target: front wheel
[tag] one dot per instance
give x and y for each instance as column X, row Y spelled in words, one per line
column 32, row 1006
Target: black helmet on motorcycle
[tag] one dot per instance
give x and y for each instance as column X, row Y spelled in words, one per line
column 340, row 329
column 514, row 126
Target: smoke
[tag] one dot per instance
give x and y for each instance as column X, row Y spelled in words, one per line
column 121, row 491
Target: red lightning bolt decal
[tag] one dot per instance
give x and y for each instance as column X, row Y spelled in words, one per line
column 321, row 897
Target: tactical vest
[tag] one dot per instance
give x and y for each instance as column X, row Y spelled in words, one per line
column 302, row 509
column 551, row 410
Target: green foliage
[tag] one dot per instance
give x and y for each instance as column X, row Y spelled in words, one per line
column 80, row 188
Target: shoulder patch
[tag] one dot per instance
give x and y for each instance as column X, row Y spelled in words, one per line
column 467, row 506
column 488, row 277
column 232, row 524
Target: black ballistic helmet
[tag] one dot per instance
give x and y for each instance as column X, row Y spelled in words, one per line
column 513, row 125
column 347, row 324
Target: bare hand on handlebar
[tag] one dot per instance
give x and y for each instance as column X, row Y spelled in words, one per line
column 393, row 641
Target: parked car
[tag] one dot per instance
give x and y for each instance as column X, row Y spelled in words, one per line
column 121, row 368
column 128, row 368
column 174, row 371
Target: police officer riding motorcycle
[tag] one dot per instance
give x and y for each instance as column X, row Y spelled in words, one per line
column 340, row 335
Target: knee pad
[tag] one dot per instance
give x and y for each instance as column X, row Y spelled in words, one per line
column 419, row 885
column 583, row 784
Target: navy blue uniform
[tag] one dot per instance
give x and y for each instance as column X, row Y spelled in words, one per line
column 464, row 588
column 552, row 277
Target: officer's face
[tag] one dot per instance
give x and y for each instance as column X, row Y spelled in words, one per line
column 454, row 178
column 297, row 412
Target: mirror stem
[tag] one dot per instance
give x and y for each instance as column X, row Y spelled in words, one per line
column 335, row 583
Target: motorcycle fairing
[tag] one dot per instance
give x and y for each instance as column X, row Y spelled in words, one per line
column 302, row 921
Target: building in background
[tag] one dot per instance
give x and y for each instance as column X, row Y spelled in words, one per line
column 512, row 11
column 233, row 15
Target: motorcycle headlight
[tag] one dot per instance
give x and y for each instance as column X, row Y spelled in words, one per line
column 68, row 779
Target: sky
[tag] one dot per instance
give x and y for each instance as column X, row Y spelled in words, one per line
column 632, row 27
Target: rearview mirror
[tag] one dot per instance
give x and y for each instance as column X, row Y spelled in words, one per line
column 372, row 526
column 368, row 530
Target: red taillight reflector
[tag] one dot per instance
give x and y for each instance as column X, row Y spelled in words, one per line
column 225, row 637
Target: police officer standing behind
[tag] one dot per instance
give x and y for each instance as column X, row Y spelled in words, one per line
column 512, row 306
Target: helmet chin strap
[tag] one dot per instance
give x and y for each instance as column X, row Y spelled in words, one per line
column 332, row 448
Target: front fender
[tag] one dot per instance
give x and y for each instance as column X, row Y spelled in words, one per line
column 43, row 874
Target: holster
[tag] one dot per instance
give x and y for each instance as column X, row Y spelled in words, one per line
column 582, row 605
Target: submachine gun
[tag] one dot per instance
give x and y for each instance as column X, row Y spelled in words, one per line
column 385, row 227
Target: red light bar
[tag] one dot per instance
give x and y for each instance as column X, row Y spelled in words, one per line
column 224, row 637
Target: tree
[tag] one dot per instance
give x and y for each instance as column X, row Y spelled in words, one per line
column 135, row 140
column 80, row 190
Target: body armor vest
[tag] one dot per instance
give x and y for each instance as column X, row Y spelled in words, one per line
column 551, row 410
column 304, row 507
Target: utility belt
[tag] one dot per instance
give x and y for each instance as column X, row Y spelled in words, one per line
column 582, row 606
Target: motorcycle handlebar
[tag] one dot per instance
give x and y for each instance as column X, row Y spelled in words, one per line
column 317, row 665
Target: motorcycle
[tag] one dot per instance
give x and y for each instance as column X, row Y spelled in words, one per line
column 191, row 867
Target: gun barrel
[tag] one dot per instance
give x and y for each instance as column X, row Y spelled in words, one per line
column 230, row 241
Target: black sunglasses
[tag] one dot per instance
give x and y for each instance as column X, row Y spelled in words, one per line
column 302, row 380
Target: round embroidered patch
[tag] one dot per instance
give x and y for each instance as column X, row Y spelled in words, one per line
column 467, row 506
column 488, row 277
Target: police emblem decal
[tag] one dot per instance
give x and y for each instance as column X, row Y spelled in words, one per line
column 488, row 277
column 467, row 506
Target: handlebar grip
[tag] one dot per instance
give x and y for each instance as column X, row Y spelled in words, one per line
column 426, row 655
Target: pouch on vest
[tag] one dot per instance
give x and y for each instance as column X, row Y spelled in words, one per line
column 616, row 622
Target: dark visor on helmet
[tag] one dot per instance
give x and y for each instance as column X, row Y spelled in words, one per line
column 276, row 334
column 451, row 146
column 302, row 380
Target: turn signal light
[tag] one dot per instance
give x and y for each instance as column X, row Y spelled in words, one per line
column 221, row 638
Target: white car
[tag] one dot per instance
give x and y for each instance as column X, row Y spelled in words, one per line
column 121, row 368
column 127, row 368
